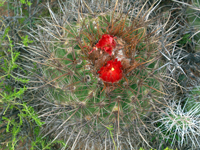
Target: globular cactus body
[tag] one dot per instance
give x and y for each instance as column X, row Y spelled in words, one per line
column 103, row 72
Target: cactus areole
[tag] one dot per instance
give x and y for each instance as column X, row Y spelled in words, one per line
column 111, row 72
column 106, row 43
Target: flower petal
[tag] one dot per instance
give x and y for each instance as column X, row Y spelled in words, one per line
column 111, row 72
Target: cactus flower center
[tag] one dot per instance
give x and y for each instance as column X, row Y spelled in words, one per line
column 111, row 72
column 106, row 43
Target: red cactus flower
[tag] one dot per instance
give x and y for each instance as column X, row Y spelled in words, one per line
column 111, row 72
column 106, row 43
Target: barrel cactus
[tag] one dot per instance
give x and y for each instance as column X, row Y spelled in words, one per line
column 100, row 67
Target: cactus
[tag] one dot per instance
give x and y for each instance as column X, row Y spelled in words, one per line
column 180, row 124
column 103, row 73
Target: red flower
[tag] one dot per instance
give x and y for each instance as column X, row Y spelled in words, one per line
column 111, row 72
column 106, row 43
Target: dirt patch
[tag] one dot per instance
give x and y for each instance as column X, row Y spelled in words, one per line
column 4, row 11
